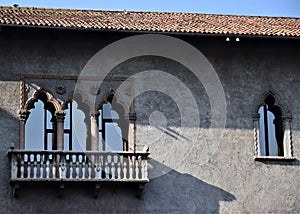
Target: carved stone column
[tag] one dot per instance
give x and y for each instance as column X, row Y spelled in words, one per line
column 94, row 131
column 88, row 133
column 23, row 116
column 287, row 137
column 60, row 118
column 131, row 131
column 256, row 134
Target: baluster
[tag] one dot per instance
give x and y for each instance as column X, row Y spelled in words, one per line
column 146, row 169
column 77, row 169
column 14, row 169
column 83, row 170
column 62, row 168
column 107, row 167
column 125, row 169
column 57, row 166
column 80, row 166
column 47, row 169
column 42, row 170
column 31, row 166
column 35, row 169
column 54, row 166
column 97, row 168
column 102, row 166
column 37, row 165
column 71, row 169
column 119, row 168
column 137, row 170
column 42, row 165
column 22, row 170
column 50, row 158
column 113, row 169
column 28, row 166
column 94, row 163
column 143, row 169
column 130, row 167
column 89, row 170
column 25, row 159
column 97, row 171
column 74, row 159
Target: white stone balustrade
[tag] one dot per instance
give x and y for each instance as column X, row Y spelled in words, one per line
column 78, row 166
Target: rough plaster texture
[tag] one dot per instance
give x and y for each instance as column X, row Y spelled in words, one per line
column 213, row 174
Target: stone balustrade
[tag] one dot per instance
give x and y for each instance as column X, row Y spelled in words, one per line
column 78, row 166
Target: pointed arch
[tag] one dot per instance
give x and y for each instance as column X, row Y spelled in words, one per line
column 114, row 99
column 272, row 134
column 272, row 95
column 46, row 97
column 80, row 97
column 76, row 123
column 113, row 125
column 48, row 106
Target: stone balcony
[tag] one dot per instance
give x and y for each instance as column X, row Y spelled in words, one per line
column 71, row 166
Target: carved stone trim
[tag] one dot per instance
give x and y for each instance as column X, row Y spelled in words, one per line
column 23, row 115
column 287, row 117
column 60, row 89
column 22, row 94
column 60, row 116
column 278, row 101
column 131, row 116
column 95, row 90
column 35, row 96
column 255, row 116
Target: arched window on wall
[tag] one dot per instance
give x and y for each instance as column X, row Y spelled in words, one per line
column 40, row 128
column 113, row 128
column 271, row 128
column 74, row 128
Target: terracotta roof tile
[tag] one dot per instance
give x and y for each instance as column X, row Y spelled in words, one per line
column 152, row 21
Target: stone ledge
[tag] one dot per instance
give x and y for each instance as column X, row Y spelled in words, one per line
column 18, row 180
column 273, row 158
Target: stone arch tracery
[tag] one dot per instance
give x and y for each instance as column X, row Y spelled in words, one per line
column 124, row 122
column 272, row 125
column 50, row 104
column 46, row 96
column 72, row 130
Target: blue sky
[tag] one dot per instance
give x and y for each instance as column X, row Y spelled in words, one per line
column 245, row 7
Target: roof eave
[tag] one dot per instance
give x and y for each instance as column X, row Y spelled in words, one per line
column 232, row 35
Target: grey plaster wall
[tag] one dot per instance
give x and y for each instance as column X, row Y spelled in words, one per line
column 214, row 174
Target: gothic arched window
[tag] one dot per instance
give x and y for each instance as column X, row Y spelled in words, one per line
column 74, row 128
column 40, row 129
column 112, row 126
column 271, row 128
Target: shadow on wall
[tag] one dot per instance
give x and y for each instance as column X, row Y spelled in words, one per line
column 9, row 130
column 180, row 192
column 171, row 192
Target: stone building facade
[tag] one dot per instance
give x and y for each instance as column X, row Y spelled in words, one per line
column 189, row 109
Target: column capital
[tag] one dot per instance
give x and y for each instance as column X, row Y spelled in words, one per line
column 287, row 117
column 23, row 115
column 256, row 116
column 95, row 114
column 60, row 115
column 131, row 116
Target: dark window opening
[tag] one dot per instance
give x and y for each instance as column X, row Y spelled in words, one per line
column 271, row 128
column 112, row 127
column 74, row 128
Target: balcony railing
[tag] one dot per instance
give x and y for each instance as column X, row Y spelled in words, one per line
column 74, row 166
